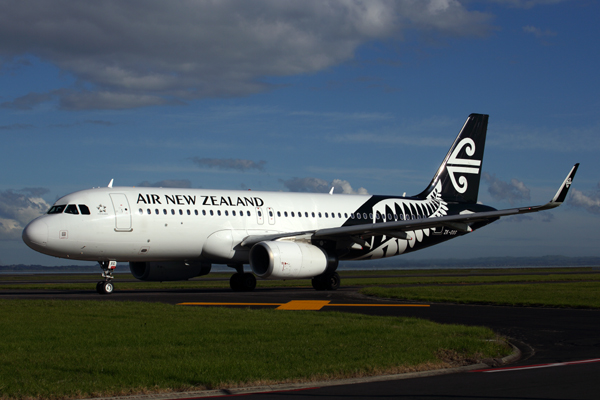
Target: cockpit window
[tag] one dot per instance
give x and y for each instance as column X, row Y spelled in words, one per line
column 71, row 209
column 57, row 209
column 84, row 209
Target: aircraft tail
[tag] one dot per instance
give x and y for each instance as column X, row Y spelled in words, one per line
column 460, row 171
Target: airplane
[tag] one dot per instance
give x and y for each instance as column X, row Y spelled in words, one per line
column 168, row 234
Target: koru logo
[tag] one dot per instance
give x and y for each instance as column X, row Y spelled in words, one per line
column 461, row 166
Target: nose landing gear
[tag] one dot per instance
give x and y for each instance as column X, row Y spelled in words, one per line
column 106, row 286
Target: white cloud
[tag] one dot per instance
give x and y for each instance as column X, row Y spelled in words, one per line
column 169, row 183
column 317, row 185
column 513, row 191
column 537, row 32
column 589, row 202
column 18, row 208
column 527, row 3
column 142, row 53
column 230, row 163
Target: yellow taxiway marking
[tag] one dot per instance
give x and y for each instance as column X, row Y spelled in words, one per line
column 302, row 305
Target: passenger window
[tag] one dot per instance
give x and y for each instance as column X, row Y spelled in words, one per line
column 279, row 213
column 270, row 213
column 195, row 212
column 203, row 212
column 358, row 215
column 248, row 213
column 165, row 211
column 226, row 213
column 319, row 215
column 299, row 214
column 71, row 209
column 188, row 212
column 306, row 214
column 233, row 213
column 56, row 209
column 285, row 214
column 345, row 215
column 292, row 213
column 141, row 211
column 156, row 211
column 84, row 209
column 180, row 211
column 172, row 212
column 148, row 211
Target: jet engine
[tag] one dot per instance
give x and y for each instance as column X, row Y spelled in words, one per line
column 287, row 260
column 179, row 270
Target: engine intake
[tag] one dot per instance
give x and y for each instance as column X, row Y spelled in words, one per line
column 168, row 270
column 287, row 260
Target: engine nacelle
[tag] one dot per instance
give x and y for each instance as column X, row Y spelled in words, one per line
column 168, row 270
column 287, row 260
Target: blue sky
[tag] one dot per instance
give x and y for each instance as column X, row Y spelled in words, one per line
column 284, row 96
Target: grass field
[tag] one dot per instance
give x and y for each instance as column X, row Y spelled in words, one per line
column 349, row 278
column 574, row 294
column 66, row 349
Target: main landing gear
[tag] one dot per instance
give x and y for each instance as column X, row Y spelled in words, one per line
column 106, row 286
column 242, row 281
column 326, row 282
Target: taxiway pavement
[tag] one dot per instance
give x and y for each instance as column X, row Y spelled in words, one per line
column 561, row 347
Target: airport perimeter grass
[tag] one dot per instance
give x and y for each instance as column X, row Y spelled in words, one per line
column 573, row 294
column 64, row 349
column 349, row 278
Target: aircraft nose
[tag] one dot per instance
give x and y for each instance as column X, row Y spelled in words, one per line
column 35, row 234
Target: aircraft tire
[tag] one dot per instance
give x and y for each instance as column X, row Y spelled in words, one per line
column 333, row 281
column 318, row 283
column 99, row 287
column 235, row 282
column 248, row 281
column 106, row 287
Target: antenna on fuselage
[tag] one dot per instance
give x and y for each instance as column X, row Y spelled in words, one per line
column 110, row 184
column 331, row 191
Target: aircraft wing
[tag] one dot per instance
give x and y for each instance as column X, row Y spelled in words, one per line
column 398, row 229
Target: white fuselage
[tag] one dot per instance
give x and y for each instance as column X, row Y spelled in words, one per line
column 149, row 224
column 156, row 224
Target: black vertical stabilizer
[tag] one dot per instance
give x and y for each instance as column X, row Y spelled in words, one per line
column 460, row 171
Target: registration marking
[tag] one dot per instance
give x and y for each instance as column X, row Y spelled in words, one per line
column 312, row 305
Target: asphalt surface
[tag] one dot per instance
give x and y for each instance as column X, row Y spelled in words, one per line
column 567, row 339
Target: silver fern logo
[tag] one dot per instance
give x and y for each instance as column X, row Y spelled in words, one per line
column 460, row 166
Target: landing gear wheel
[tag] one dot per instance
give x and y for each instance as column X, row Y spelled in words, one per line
column 105, row 287
column 248, row 282
column 326, row 282
column 318, row 283
column 245, row 282
column 333, row 282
